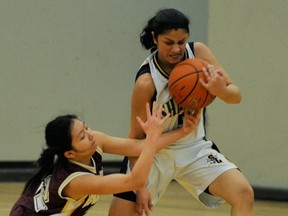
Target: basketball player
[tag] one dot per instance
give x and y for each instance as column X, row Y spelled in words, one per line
column 194, row 162
column 72, row 184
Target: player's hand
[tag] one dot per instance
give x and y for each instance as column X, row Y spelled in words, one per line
column 216, row 81
column 191, row 120
column 143, row 202
column 154, row 124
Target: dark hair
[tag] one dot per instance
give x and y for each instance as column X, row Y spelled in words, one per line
column 58, row 140
column 163, row 21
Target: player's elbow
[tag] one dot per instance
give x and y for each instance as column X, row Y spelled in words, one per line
column 232, row 95
column 237, row 99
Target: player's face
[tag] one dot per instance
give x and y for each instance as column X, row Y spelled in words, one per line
column 171, row 46
column 83, row 142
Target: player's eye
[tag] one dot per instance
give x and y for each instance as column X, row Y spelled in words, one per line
column 83, row 136
column 169, row 43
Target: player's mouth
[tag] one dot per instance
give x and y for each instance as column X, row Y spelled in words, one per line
column 175, row 58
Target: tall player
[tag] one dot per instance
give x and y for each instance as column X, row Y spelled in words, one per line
column 193, row 161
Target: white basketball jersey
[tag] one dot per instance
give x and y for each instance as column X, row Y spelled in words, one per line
column 160, row 79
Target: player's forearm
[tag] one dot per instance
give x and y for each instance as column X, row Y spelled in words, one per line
column 169, row 138
column 164, row 141
column 232, row 95
column 142, row 166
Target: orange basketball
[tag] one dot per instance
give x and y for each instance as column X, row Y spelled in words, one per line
column 184, row 85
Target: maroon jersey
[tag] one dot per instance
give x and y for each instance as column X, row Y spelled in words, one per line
column 48, row 199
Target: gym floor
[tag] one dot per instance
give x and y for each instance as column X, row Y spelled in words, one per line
column 176, row 201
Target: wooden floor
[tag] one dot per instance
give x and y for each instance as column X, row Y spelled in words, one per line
column 176, row 201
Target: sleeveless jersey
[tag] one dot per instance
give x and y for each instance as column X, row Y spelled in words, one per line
column 162, row 96
column 48, row 199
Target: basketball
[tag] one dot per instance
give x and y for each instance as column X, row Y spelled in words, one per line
column 184, row 85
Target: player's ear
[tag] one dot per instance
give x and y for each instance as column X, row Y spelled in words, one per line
column 69, row 154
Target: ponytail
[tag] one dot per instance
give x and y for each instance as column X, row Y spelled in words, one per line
column 45, row 165
column 58, row 140
column 146, row 38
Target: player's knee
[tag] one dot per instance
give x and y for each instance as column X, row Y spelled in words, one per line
column 246, row 195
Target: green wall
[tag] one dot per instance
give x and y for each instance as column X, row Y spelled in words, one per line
column 81, row 56
column 61, row 56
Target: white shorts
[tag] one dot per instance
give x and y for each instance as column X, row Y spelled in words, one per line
column 193, row 166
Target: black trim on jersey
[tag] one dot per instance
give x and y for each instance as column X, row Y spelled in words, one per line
column 162, row 72
column 204, row 119
column 144, row 69
column 191, row 45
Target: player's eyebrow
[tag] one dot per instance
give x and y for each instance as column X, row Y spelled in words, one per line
column 82, row 130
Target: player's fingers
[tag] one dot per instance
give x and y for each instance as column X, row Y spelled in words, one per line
column 207, row 74
column 159, row 111
column 147, row 210
column 140, row 122
column 150, row 206
column 143, row 211
column 148, row 112
column 203, row 83
column 166, row 117
column 205, row 71
column 211, row 70
column 139, row 210
column 197, row 114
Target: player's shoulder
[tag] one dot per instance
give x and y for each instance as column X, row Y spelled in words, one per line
column 144, row 85
column 144, row 81
column 144, row 69
column 200, row 47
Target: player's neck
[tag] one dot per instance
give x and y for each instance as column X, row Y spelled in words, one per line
column 166, row 67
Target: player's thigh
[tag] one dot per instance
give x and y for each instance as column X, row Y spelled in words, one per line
column 122, row 207
column 232, row 186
